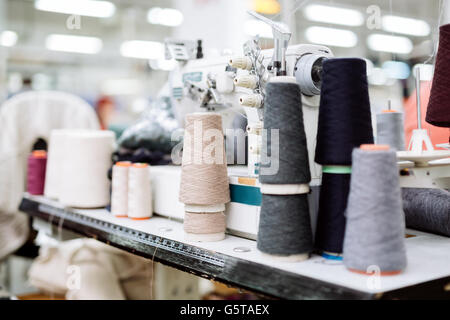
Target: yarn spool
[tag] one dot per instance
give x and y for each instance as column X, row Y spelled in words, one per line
column 374, row 235
column 344, row 123
column 55, row 161
column 119, row 192
column 87, row 159
column 390, row 129
column 438, row 111
column 427, row 210
column 37, row 162
column 284, row 227
column 139, row 192
column 204, row 187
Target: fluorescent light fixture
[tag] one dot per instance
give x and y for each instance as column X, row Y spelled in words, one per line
column 70, row 43
column 165, row 16
column 331, row 37
column 396, row 69
column 256, row 27
column 426, row 71
column 90, row 8
column 387, row 43
column 413, row 27
column 8, row 38
column 163, row 64
column 334, row 15
column 142, row 49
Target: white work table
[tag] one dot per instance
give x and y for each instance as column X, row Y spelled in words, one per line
column 162, row 239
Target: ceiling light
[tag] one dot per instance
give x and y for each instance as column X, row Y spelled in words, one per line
column 142, row 49
column 266, row 6
column 165, row 16
column 387, row 43
column 335, row 15
column 90, row 8
column 8, row 38
column 70, row 43
column 396, row 69
column 403, row 25
column 331, row 37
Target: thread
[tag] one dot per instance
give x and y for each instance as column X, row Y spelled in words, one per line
column 85, row 164
column 119, row 192
column 427, row 210
column 438, row 111
column 374, row 235
column 246, row 81
column 204, row 178
column 251, row 100
column 37, row 162
column 283, row 112
column 201, row 223
column 139, row 192
column 390, row 129
column 241, row 62
column 284, row 226
column 344, row 112
column 55, row 161
column 344, row 123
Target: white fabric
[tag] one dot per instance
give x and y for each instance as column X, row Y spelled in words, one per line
column 23, row 119
column 85, row 269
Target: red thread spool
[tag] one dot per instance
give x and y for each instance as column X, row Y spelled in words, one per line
column 37, row 162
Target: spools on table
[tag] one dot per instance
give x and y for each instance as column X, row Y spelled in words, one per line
column 390, row 129
column 204, row 185
column 344, row 123
column 139, row 192
column 37, row 162
column 374, row 235
column 284, row 226
column 119, row 189
column 86, row 160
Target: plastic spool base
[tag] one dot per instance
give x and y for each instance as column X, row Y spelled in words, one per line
column 382, row 273
column 284, row 189
column 332, row 255
column 289, row 258
column 206, row 237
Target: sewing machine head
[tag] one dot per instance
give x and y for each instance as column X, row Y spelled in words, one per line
column 234, row 86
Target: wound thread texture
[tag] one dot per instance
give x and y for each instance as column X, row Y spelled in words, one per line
column 375, row 230
column 438, row 111
column 283, row 112
column 427, row 210
column 203, row 182
column 390, row 130
column 204, row 223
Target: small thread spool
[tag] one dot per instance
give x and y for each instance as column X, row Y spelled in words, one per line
column 251, row 100
column 374, row 235
column 284, row 227
column 255, row 128
column 344, row 123
column 55, row 162
column 204, row 187
column 390, row 129
column 119, row 193
column 241, row 62
column 37, row 162
column 246, row 81
column 139, row 192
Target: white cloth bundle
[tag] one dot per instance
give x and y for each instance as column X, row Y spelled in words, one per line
column 23, row 119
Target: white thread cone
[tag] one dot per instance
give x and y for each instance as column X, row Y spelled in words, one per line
column 119, row 192
column 139, row 192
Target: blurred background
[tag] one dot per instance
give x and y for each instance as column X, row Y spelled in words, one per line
column 42, row 46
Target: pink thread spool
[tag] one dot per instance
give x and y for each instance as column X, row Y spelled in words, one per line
column 37, row 162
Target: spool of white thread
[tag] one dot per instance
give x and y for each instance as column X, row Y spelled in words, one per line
column 87, row 158
column 241, row 62
column 55, row 157
column 139, row 192
column 119, row 192
column 246, row 81
column 251, row 100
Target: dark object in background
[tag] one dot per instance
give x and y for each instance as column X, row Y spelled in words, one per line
column 438, row 111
